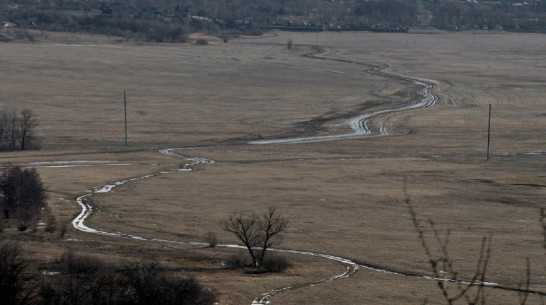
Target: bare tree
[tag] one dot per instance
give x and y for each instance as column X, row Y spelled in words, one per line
column 271, row 226
column 258, row 233
column 27, row 124
column 245, row 228
column 8, row 129
column 17, row 131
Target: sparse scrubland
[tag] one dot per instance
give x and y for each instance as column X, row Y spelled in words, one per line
column 344, row 199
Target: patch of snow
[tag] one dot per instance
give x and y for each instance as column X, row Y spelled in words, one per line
column 77, row 163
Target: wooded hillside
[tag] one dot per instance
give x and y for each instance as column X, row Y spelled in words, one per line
column 171, row 21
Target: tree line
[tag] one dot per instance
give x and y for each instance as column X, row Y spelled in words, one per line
column 167, row 21
column 17, row 130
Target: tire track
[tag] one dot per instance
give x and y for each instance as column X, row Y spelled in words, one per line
column 359, row 124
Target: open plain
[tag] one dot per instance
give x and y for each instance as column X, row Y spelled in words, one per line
column 345, row 197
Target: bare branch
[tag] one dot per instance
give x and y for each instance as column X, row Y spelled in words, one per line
column 27, row 124
column 272, row 225
column 443, row 266
column 246, row 229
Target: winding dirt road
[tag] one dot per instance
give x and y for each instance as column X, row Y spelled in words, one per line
column 359, row 124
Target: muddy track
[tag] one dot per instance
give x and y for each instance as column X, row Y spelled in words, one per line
column 359, row 124
column 351, row 266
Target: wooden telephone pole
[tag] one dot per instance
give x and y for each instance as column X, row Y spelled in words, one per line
column 488, row 132
column 125, row 112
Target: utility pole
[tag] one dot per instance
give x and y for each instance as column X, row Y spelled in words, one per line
column 488, row 132
column 125, row 112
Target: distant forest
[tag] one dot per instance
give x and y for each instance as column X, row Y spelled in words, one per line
column 172, row 20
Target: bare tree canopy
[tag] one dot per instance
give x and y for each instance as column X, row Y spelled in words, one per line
column 27, row 124
column 258, row 233
column 17, row 131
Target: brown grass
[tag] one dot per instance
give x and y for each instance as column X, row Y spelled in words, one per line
column 343, row 197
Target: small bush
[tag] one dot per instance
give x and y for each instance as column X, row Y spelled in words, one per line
column 51, row 223
column 79, row 264
column 275, row 263
column 201, row 42
column 237, row 261
column 22, row 227
column 85, row 280
column 23, row 35
column 212, row 240
column 147, row 283
column 63, row 227
column 289, row 44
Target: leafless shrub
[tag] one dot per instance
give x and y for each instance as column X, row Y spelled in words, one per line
column 201, row 42
column 145, row 284
column 63, row 227
column 211, row 239
column 275, row 263
column 23, row 35
column 85, row 280
column 237, row 261
column 72, row 263
column 50, row 223
column 289, row 44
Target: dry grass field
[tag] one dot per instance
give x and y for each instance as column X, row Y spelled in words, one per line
column 343, row 197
